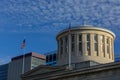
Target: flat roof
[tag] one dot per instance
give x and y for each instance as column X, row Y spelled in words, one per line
column 33, row 54
column 87, row 27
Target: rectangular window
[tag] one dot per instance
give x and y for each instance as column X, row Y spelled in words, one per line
column 96, row 44
column 72, row 42
column 88, row 44
column 80, row 37
column 72, row 38
column 66, row 39
column 66, row 44
column 80, row 44
column 88, row 37
column 72, row 47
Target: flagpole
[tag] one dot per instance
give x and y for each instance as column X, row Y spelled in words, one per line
column 69, row 47
column 23, row 60
column 69, row 50
column 23, row 63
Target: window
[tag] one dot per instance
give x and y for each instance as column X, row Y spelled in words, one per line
column 88, row 44
column 73, row 47
column 66, row 44
column 73, row 37
column 80, row 37
column 88, row 37
column 96, row 44
column 72, row 42
column 80, row 44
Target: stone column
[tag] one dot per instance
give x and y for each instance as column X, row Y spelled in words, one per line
column 99, row 46
column 77, row 44
column 105, row 47
column 110, row 54
column 84, row 44
column 112, row 48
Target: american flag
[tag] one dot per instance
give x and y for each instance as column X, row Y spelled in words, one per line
column 23, row 44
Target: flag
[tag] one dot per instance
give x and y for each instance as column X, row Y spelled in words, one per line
column 23, row 44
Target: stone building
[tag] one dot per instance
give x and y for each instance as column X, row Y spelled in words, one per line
column 91, row 52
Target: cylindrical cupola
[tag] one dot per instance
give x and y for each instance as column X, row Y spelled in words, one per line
column 86, row 43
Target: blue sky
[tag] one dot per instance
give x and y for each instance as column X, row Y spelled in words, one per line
column 40, row 20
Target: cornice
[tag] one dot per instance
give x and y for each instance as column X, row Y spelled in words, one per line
column 67, row 73
column 85, row 27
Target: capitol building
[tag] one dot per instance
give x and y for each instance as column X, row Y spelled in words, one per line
column 84, row 53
